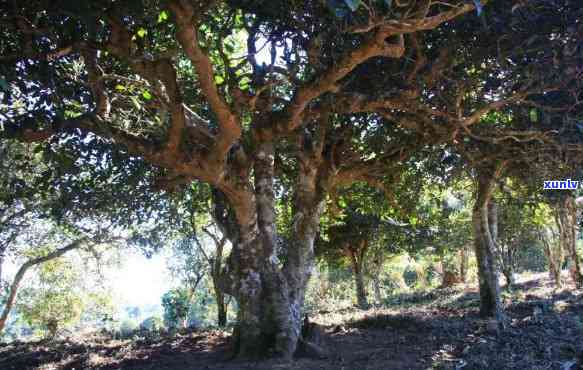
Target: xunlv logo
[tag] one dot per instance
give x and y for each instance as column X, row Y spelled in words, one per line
column 563, row 184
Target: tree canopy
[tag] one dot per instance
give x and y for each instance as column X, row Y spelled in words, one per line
column 278, row 106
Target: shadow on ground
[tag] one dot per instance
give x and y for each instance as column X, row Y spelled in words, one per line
column 439, row 330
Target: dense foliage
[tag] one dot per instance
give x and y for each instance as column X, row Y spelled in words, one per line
column 254, row 136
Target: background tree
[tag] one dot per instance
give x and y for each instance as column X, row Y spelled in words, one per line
column 351, row 237
column 445, row 215
column 44, row 204
column 549, row 237
column 201, row 246
column 516, row 227
column 566, row 220
column 176, row 304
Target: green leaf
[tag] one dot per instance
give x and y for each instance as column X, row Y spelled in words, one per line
column 352, row 4
column 142, row 32
column 163, row 16
column 146, row 95
column 533, row 114
column 219, row 79
column 120, row 87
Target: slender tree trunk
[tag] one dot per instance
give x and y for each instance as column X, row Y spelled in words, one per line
column 506, row 260
column 221, row 308
column 567, row 226
column 493, row 219
column 360, row 289
column 508, row 273
column 376, row 283
column 22, row 271
column 464, row 264
column 501, row 251
column 219, row 294
column 485, row 230
column 216, row 269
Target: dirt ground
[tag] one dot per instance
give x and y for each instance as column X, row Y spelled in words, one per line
column 434, row 330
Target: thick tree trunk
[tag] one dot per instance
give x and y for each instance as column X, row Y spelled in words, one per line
column 554, row 256
column 567, row 222
column 270, row 295
column 485, row 229
column 464, row 264
column 493, row 219
column 356, row 258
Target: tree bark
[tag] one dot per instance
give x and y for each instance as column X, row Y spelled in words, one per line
column 221, row 308
column 216, row 276
column 464, row 264
column 22, row 271
column 376, row 283
column 270, row 294
column 554, row 256
column 567, row 222
column 485, row 229
column 357, row 260
column 449, row 276
column 508, row 273
column 215, row 266
column 506, row 258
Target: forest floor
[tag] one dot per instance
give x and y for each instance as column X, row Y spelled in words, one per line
column 438, row 329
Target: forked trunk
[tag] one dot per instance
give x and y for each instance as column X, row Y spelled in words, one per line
column 554, row 254
column 270, row 295
column 360, row 290
column 356, row 258
column 484, row 226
